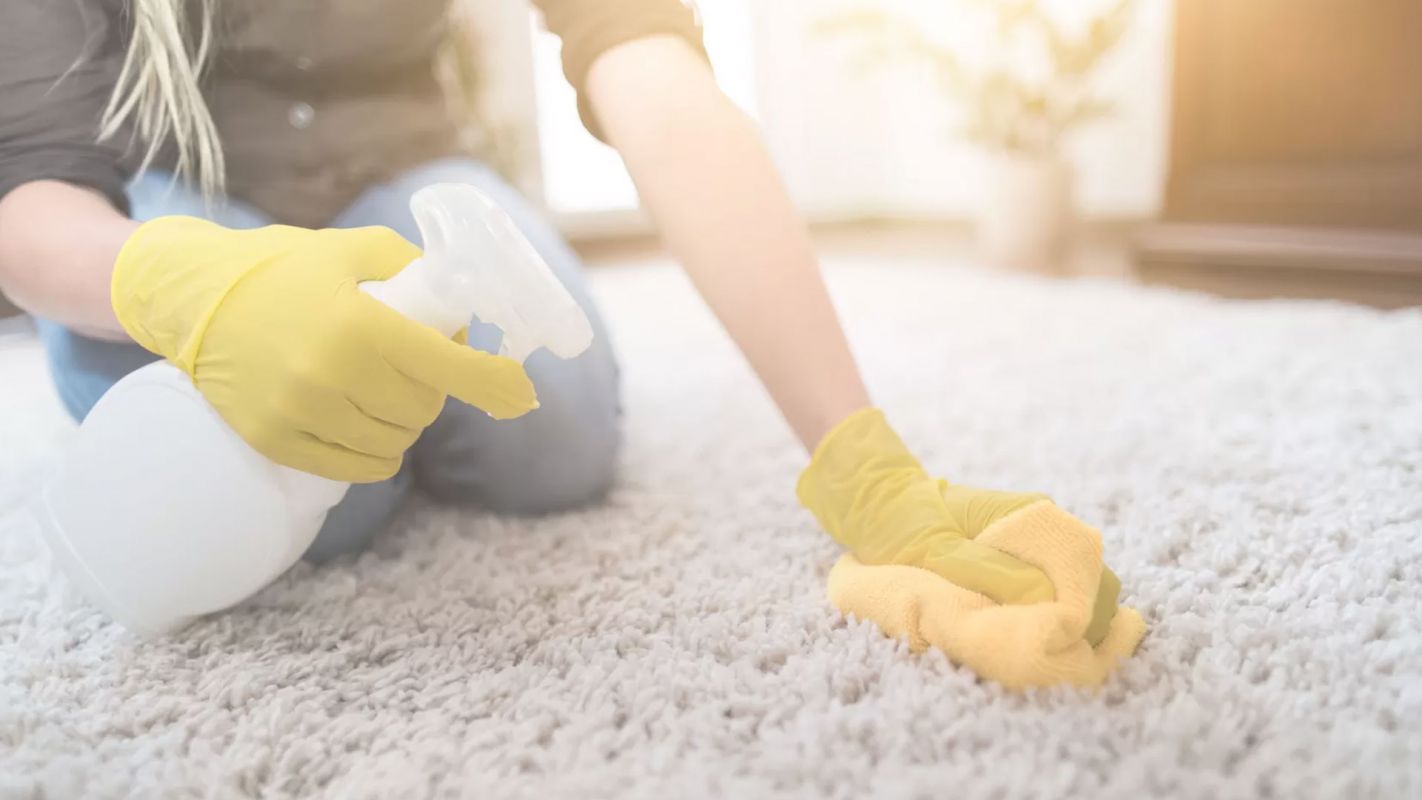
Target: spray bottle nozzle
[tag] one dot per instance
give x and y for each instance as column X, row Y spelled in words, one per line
column 478, row 261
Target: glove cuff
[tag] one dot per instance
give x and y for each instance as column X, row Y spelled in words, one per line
column 853, row 455
column 164, row 302
column 851, row 434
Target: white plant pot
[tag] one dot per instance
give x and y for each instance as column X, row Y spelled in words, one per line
column 1027, row 212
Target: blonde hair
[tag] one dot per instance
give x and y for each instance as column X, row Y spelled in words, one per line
column 158, row 90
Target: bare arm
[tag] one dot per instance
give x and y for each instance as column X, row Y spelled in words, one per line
column 709, row 183
column 58, row 243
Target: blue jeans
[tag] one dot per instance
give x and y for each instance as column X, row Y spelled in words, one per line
column 559, row 456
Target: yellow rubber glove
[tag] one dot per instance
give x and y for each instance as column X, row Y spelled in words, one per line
column 870, row 493
column 312, row 372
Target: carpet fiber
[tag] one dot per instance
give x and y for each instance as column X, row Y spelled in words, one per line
column 1256, row 470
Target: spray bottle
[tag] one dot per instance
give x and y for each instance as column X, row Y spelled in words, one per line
column 161, row 513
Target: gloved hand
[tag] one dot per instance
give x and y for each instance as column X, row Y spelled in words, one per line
column 312, row 372
column 870, row 493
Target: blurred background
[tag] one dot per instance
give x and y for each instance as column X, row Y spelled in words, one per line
column 1261, row 148
column 1256, row 149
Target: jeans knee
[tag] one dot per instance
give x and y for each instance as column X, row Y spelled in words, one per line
column 84, row 369
column 575, row 471
column 363, row 514
column 549, row 461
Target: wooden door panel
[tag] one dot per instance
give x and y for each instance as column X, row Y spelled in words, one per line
column 1294, row 116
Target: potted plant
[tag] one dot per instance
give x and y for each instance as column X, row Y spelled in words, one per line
column 1018, row 106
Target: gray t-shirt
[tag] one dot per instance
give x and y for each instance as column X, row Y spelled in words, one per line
column 313, row 100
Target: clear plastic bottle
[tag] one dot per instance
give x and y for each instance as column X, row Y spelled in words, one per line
column 160, row 513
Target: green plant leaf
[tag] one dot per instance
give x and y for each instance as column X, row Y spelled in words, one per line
column 1075, row 58
column 1087, row 109
column 857, row 21
column 1002, row 109
column 888, row 37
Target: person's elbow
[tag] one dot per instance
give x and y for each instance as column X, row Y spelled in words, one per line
column 657, row 89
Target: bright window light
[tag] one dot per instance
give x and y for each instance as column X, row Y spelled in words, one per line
column 580, row 174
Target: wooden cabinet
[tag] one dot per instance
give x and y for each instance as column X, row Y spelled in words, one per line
column 1296, row 151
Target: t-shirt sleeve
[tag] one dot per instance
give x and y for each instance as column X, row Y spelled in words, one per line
column 58, row 64
column 589, row 28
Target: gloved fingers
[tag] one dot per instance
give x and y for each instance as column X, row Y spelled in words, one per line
column 1018, row 646
column 371, row 253
column 1066, row 549
column 974, row 509
column 391, row 396
column 1103, row 607
column 497, row 385
column 987, row 571
column 1011, row 581
column 1108, row 594
column 310, row 453
column 345, row 424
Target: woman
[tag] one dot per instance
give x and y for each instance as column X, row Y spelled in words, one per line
column 120, row 124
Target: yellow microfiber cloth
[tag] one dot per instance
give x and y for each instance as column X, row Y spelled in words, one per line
column 1018, row 646
column 1007, row 584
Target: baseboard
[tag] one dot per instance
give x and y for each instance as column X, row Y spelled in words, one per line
column 621, row 237
column 1378, row 268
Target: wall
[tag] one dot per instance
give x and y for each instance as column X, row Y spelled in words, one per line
column 880, row 143
column 853, row 145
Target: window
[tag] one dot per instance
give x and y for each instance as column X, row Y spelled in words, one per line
column 580, row 174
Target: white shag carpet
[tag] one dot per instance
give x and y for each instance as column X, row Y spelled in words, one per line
column 1256, row 469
